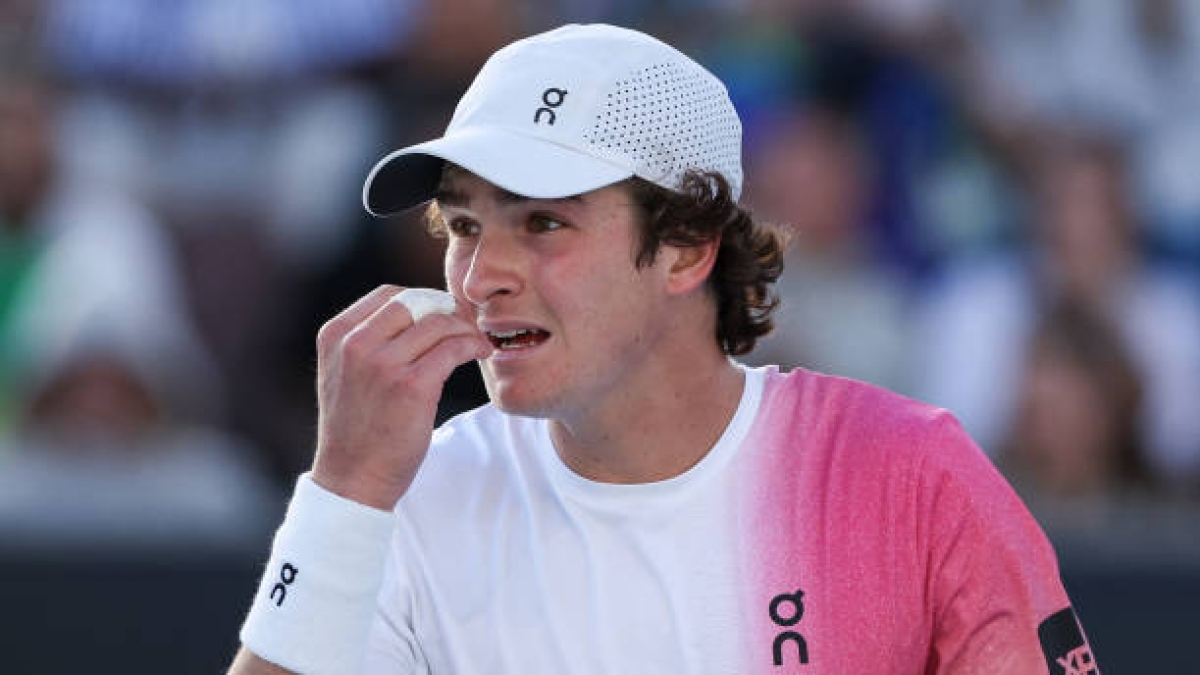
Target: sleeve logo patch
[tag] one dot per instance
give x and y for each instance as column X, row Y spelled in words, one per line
column 1066, row 650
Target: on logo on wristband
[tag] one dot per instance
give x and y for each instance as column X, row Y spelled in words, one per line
column 286, row 576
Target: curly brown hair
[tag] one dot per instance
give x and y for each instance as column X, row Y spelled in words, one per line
column 749, row 258
column 703, row 209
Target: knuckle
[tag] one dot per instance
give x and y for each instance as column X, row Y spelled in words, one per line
column 386, row 376
column 427, row 379
column 354, row 346
column 413, row 380
column 329, row 334
column 385, row 292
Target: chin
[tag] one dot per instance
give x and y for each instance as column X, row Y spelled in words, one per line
column 523, row 399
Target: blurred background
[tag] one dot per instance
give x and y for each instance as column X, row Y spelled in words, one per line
column 995, row 208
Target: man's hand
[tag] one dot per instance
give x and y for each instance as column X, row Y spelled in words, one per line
column 379, row 378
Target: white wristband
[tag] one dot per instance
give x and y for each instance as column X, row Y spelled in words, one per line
column 315, row 604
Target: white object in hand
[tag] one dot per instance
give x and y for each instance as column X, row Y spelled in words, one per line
column 422, row 301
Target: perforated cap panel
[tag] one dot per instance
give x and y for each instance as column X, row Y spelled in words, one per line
column 668, row 118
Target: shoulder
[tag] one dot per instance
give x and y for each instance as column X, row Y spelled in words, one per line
column 835, row 426
column 840, row 409
column 872, row 437
column 873, row 446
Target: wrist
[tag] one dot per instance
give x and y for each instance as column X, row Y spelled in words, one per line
column 360, row 486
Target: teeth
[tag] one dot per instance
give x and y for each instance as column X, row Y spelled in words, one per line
column 505, row 335
column 509, row 339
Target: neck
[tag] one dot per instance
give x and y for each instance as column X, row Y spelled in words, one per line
column 658, row 429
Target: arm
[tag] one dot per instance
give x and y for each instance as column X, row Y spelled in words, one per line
column 380, row 375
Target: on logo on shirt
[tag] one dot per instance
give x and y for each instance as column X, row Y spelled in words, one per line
column 786, row 610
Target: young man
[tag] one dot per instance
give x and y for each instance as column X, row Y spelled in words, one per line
column 632, row 500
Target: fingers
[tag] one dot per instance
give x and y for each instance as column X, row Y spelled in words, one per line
column 384, row 336
column 421, row 337
column 373, row 320
column 390, row 337
column 337, row 328
column 432, row 348
column 379, row 378
column 435, row 365
column 388, row 320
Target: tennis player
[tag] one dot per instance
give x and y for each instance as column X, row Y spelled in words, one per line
column 632, row 499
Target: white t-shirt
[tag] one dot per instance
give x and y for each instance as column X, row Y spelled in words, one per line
column 505, row 560
column 833, row 528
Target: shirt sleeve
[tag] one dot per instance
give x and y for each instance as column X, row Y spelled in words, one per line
column 998, row 601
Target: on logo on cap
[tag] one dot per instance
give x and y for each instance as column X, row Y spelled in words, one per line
column 552, row 97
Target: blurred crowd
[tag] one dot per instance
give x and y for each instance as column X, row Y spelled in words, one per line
column 992, row 203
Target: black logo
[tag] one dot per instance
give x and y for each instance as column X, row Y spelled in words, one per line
column 1067, row 651
column 786, row 611
column 552, row 97
column 286, row 576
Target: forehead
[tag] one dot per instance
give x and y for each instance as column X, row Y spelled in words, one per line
column 459, row 187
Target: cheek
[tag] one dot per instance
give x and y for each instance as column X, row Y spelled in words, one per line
column 587, row 287
column 614, row 307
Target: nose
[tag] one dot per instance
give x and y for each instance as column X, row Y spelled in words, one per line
column 493, row 269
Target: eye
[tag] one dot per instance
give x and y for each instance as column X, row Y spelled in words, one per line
column 542, row 222
column 462, row 227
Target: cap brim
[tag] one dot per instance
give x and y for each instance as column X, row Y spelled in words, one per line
column 524, row 165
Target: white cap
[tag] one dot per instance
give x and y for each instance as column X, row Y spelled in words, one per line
column 572, row 110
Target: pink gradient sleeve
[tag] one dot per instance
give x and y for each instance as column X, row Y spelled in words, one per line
column 876, row 537
column 992, row 574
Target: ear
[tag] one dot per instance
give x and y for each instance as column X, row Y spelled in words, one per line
column 690, row 266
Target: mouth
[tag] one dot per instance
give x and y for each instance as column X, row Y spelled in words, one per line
column 512, row 340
